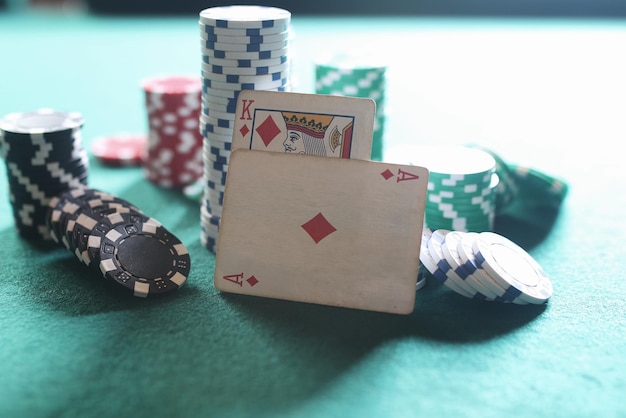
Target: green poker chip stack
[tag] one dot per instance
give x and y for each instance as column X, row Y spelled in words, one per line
column 527, row 194
column 353, row 77
column 461, row 202
column 462, row 185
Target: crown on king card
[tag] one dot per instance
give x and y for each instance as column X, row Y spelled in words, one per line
column 314, row 125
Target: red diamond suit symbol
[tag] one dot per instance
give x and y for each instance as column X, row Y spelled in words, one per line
column 318, row 227
column 268, row 130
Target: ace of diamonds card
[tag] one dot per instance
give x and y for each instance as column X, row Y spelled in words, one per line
column 298, row 123
column 322, row 230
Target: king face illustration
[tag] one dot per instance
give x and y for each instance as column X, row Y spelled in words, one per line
column 306, row 133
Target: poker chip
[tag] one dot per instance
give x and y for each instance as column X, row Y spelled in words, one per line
column 431, row 265
column 211, row 29
column 144, row 258
column 356, row 75
column 42, row 121
column 512, row 267
column 466, row 271
column 241, row 48
column 522, row 191
column 421, row 279
column 244, row 63
column 173, row 155
column 244, row 17
column 44, row 156
column 114, row 237
column 265, row 39
column 537, row 189
column 237, row 47
column 194, row 191
column 490, row 266
column 258, row 67
column 435, row 246
column 467, row 256
column 462, row 185
column 120, row 150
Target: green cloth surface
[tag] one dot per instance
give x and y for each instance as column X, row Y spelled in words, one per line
column 546, row 94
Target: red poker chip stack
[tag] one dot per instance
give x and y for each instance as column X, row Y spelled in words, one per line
column 174, row 153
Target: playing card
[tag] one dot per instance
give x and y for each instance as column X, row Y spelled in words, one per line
column 322, row 230
column 297, row 123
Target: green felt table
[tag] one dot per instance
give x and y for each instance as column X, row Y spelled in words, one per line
column 548, row 94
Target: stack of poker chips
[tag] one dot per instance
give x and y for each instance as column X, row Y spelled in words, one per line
column 174, row 153
column 243, row 48
column 356, row 76
column 527, row 194
column 111, row 235
column 462, row 185
column 484, row 266
column 44, row 156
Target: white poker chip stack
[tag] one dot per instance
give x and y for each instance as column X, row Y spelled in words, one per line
column 242, row 48
column 484, row 266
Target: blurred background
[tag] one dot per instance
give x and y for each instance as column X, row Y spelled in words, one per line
column 514, row 8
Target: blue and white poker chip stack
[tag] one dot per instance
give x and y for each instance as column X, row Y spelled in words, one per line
column 484, row 266
column 243, row 48
column 44, row 156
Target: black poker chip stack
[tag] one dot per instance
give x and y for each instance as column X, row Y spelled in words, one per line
column 111, row 235
column 44, row 157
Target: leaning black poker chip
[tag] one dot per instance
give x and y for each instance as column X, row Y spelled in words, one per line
column 144, row 258
column 115, row 237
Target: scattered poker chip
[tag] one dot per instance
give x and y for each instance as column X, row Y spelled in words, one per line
column 120, row 150
column 497, row 269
